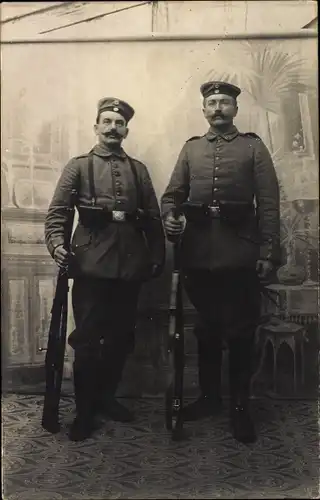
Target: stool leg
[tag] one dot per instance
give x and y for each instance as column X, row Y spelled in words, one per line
column 275, row 385
column 294, row 370
column 302, row 361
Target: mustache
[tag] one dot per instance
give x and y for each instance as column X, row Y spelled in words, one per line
column 112, row 133
column 218, row 115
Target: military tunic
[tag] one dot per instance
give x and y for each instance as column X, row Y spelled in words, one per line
column 120, row 250
column 234, row 167
column 109, row 265
column 219, row 259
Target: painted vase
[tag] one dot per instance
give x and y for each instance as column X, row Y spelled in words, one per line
column 291, row 273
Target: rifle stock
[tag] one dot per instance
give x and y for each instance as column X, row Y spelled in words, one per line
column 57, row 338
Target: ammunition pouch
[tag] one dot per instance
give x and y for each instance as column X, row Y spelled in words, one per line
column 195, row 212
column 235, row 212
column 230, row 212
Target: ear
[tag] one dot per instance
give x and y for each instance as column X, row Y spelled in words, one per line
column 236, row 111
column 125, row 135
column 95, row 128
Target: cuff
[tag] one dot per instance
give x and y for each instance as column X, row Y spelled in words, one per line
column 270, row 250
column 52, row 245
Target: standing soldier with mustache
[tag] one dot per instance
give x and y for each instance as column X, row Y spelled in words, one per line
column 118, row 244
column 226, row 184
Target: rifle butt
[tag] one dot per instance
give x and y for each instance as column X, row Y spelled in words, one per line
column 54, row 365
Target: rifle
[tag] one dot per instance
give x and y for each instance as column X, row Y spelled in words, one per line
column 57, row 337
column 174, row 393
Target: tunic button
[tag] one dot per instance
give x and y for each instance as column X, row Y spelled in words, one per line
column 118, row 193
column 116, row 173
column 215, row 189
column 217, row 168
column 216, row 178
column 217, row 157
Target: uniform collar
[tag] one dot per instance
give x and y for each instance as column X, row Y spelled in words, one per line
column 211, row 135
column 106, row 153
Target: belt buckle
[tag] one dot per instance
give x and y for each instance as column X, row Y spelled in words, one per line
column 118, row 216
column 214, row 210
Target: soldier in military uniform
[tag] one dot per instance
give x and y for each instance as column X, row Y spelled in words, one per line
column 225, row 184
column 117, row 245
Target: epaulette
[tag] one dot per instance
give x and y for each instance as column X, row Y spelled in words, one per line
column 251, row 134
column 135, row 160
column 194, row 138
column 84, row 155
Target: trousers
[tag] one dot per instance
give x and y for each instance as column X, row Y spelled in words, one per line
column 105, row 319
column 228, row 305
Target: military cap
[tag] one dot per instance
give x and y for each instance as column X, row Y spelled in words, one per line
column 113, row 104
column 226, row 88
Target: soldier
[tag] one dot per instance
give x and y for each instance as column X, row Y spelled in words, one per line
column 227, row 186
column 117, row 245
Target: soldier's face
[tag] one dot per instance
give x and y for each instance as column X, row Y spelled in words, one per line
column 111, row 128
column 219, row 109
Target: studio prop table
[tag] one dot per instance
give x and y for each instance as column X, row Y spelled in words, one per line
column 297, row 307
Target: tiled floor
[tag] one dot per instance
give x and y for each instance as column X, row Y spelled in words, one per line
column 141, row 461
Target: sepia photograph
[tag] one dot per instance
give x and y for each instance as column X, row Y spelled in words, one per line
column 160, row 249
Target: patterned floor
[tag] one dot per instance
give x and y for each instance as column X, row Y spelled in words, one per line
column 141, row 461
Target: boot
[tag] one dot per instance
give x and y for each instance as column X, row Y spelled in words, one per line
column 205, row 406
column 106, row 405
column 240, row 373
column 83, row 425
column 209, row 372
column 81, row 429
column 111, row 408
column 242, row 425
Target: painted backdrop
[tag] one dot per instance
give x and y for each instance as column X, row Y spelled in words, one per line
column 49, row 97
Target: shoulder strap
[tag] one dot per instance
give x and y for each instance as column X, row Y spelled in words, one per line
column 91, row 179
column 194, row 138
column 136, row 182
column 251, row 134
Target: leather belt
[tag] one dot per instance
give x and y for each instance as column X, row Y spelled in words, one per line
column 233, row 212
column 121, row 216
column 214, row 211
column 101, row 217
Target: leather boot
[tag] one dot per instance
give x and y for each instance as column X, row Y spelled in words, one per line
column 242, row 425
column 241, row 357
column 83, row 425
column 205, row 406
column 111, row 408
column 110, row 375
column 209, row 371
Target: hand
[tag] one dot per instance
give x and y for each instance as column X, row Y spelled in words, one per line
column 173, row 226
column 264, row 268
column 156, row 270
column 61, row 256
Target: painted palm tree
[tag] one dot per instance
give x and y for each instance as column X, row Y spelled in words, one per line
column 276, row 72
column 292, row 239
column 291, row 234
column 267, row 72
